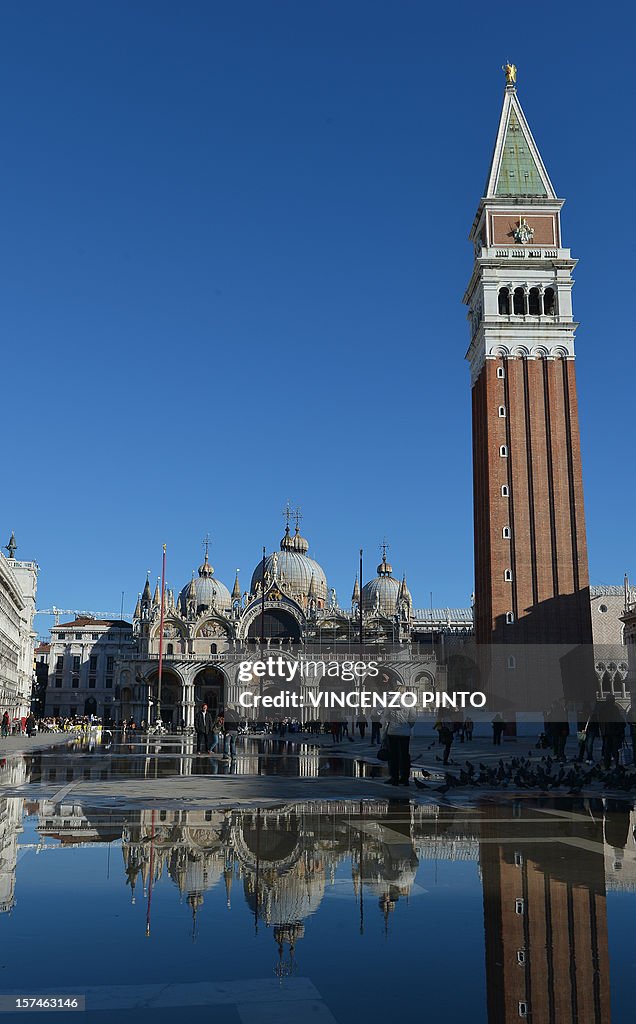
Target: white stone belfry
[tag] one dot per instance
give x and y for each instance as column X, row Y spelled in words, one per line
column 519, row 295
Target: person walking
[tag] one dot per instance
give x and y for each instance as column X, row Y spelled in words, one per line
column 469, row 725
column 591, row 733
column 446, row 736
column 30, row 725
column 631, row 721
column 498, row 726
column 216, row 735
column 560, row 733
column 230, row 724
column 362, row 726
column 203, row 725
column 6, row 724
column 376, row 727
column 612, row 729
column 399, row 723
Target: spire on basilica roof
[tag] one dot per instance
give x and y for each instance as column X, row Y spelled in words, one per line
column 516, row 168
column 384, row 568
column 405, row 593
column 137, row 614
column 300, row 543
column 355, row 597
column 157, row 594
column 236, row 589
column 146, row 596
column 12, row 546
column 206, row 570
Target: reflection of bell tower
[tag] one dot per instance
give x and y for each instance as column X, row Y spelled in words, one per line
column 545, row 919
column 531, row 573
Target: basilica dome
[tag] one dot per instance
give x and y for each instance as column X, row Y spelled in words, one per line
column 300, row 576
column 382, row 593
column 205, row 591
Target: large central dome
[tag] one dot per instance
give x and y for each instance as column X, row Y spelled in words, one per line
column 298, row 575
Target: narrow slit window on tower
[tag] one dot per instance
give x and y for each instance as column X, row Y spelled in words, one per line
column 519, row 302
column 504, row 302
column 505, row 491
column 505, row 533
column 503, row 451
column 549, row 302
column 501, row 373
column 508, row 575
column 519, row 905
column 533, row 302
column 502, row 410
column 510, row 618
column 170, row 649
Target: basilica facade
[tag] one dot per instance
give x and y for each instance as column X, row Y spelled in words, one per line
column 289, row 611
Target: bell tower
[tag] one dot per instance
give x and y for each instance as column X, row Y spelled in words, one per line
column 531, row 573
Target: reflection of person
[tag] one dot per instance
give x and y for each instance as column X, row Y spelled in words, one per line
column 399, row 862
column 203, row 727
column 399, row 724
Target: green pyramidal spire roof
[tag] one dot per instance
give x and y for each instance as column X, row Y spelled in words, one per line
column 518, row 173
column 516, row 168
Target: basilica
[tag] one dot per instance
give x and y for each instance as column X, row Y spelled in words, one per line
column 208, row 630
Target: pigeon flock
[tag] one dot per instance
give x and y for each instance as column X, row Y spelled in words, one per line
column 547, row 774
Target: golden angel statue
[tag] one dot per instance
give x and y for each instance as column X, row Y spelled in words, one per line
column 511, row 73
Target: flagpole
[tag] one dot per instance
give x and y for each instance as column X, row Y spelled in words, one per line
column 163, row 596
column 362, row 642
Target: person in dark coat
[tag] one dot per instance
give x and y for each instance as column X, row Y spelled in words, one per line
column 612, row 728
column 204, row 727
column 591, row 733
column 446, row 737
column 498, row 726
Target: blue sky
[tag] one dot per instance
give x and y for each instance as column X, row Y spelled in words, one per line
column 234, row 248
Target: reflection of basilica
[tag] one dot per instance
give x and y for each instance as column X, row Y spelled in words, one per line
column 209, row 629
column 545, row 869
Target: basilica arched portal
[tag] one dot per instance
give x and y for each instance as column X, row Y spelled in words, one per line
column 209, row 688
column 172, row 696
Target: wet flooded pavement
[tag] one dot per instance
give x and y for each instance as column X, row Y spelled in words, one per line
column 305, row 905
column 170, row 768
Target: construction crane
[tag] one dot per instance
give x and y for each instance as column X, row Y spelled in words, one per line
column 56, row 612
